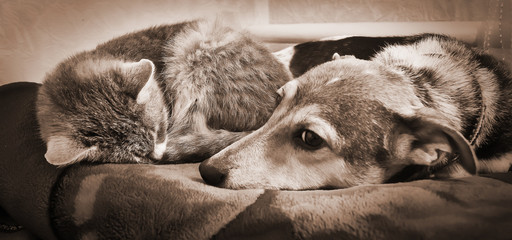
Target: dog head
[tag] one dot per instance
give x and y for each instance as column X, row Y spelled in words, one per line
column 344, row 123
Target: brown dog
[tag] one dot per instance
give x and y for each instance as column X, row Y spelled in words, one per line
column 433, row 103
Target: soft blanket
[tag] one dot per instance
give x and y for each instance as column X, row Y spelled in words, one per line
column 130, row 201
column 172, row 202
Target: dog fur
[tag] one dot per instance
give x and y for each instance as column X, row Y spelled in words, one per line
column 427, row 101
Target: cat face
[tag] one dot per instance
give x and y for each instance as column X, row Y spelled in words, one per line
column 102, row 111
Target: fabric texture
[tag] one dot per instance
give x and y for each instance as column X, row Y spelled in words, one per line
column 172, row 202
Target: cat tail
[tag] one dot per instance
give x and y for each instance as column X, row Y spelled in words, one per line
column 198, row 146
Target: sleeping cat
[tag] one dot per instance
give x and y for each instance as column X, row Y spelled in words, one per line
column 173, row 93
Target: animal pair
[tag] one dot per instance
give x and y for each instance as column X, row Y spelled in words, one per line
column 426, row 101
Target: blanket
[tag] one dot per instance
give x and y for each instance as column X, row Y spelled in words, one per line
column 172, row 202
column 140, row 201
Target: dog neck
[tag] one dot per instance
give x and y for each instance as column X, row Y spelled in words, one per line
column 449, row 159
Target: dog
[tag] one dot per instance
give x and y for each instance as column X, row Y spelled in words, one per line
column 419, row 106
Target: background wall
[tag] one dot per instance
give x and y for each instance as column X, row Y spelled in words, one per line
column 37, row 34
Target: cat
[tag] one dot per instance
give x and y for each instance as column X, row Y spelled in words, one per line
column 167, row 94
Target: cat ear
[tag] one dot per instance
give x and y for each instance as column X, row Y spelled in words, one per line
column 422, row 139
column 151, row 88
column 62, row 151
column 140, row 77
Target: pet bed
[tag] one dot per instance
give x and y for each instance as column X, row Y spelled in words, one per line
column 138, row 201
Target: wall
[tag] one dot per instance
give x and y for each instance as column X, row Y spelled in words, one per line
column 37, row 34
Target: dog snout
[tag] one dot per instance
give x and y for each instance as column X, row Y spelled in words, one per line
column 210, row 174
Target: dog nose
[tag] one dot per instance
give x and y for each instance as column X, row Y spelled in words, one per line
column 210, row 174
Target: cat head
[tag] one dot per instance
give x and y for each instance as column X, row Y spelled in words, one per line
column 102, row 111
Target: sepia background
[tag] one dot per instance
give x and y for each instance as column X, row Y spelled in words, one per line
column 37, row 34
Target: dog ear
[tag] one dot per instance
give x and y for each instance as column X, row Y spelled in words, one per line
column 422, row 139
column 336, row 56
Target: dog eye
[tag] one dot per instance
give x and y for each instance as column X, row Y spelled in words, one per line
column 310, row 139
